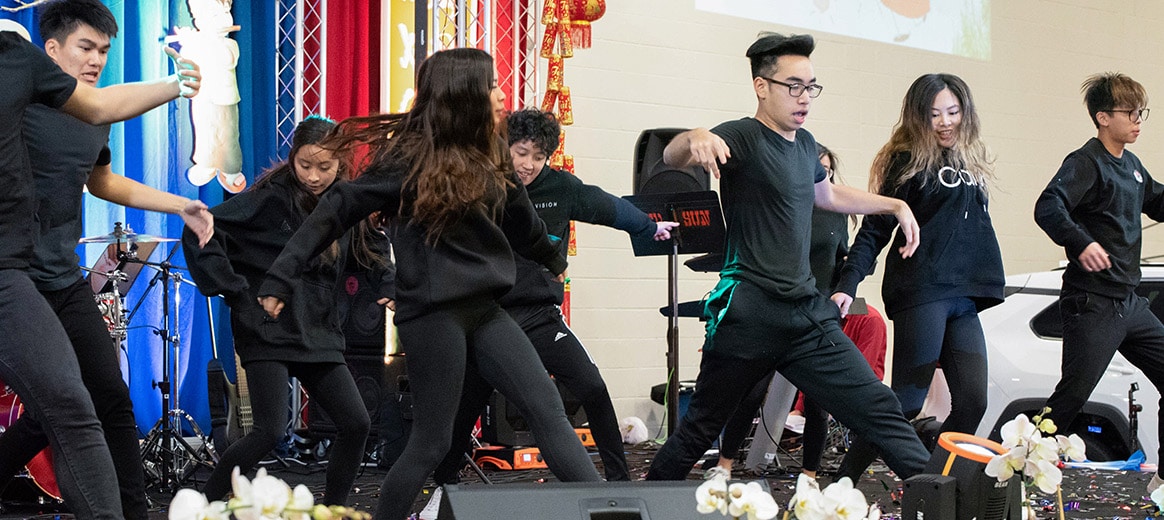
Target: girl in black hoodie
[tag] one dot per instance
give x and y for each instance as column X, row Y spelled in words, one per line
column 457, row 214
column 306, row 341
column 937, row 164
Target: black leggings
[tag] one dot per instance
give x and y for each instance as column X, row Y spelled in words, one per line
column 332, row 387
column 438, row 347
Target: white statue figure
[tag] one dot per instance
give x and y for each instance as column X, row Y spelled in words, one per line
column 217, row 153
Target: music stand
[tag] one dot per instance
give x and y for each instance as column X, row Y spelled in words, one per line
column 701, row 230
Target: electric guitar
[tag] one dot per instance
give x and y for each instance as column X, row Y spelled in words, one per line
column 239, row 420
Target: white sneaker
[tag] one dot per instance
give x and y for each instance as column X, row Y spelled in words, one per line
column 717, row 471
column 1155, row 483
column 432, row 507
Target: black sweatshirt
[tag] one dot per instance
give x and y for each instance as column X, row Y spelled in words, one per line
column 560, row 197
column 471, row 259
column 1097, row 197
column 250, row 230
column 958, row 256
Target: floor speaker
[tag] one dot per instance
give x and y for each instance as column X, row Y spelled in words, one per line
column 503, row 424
column 652, row 175
column 369, row 372
column 641, row 500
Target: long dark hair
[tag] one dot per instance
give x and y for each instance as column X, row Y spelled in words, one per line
column 455, row 162
column 314, row 130
column 914, row 133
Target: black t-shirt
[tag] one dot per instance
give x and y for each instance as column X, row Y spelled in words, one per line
column 28, row 77
column 63, row 151
column 1097, row 197
column 767, row 188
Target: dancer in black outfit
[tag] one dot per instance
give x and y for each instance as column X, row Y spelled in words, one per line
column 442, row 177
column 306, row 342
column 534, row 302
column 1092, row 208
column 766, row 314
column 936, row 163
column 67, row 155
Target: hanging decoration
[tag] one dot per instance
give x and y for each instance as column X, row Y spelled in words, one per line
column 568, row 24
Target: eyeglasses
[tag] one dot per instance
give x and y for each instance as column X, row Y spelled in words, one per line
column 796, row 89
column 1135, row 114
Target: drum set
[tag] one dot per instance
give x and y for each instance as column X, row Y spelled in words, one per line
column 168, row 458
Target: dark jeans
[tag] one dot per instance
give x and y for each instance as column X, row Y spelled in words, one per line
column 803, row 340
column 566, row 359
column 101, row 372
column 1094, row 328
column 37, row 360
column 945, row 331
column 438, row 347
column 816, row 423
column 329, row 384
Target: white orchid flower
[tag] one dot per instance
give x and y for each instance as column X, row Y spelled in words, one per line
column 1046, row 475
column 751, row 500
column 270, row 495
column 192, row 505
column 1044, row 448
column 712, row 496
column 243, row 500
column 808, row 502
column 301, row 504
column 845, row 501
column 1017, row 432
column 1004, row 466
column 1048, row 426
column 1157, row 497
column 874, row 513
column 1073, row 447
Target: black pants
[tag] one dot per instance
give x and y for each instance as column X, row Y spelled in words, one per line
column 101, row 372
column 329, row 384
column 1094, row 328
column 566, row 359
column 816, row 422
column 438, row 347
column 803, row 340
column 945, row 331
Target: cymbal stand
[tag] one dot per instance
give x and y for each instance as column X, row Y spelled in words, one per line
column 167, row 457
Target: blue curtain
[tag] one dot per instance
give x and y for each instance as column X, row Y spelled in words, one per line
column 156, row 149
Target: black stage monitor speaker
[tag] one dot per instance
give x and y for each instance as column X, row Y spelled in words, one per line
column 654, row 176
column 929, row 497
column 503, row 424
column 670, row 500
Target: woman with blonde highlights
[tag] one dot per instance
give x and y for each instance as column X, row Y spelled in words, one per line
column 937, row 164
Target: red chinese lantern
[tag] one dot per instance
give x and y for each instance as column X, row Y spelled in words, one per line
column 582, row 13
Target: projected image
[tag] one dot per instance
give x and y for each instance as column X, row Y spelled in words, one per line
column 959, row 27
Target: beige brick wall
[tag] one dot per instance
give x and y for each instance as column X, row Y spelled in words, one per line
column 658, row 63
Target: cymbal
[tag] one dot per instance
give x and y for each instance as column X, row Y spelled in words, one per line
column 124, row 236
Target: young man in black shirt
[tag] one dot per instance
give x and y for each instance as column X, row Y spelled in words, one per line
column 1092, row 208
column 766, row 313
column 36, row 359
column 536, row 297
column 66, row 155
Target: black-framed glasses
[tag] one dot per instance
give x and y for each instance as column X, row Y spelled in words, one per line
column 1139, row 114
column 796, row 89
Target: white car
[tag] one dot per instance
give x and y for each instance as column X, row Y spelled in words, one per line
column 1024, row 345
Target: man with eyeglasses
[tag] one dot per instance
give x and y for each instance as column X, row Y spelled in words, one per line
column 766, row 314
column 1092, row 208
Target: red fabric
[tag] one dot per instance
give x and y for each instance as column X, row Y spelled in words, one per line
column 871, row 334
column 353, row 58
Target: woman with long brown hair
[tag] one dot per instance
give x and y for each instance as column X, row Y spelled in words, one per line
column 936, row 163
column 250, row 231
column 456, row 214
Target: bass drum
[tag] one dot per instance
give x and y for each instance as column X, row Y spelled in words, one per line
column 40, row 468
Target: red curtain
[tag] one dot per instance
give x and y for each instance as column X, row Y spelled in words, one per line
column 353, row 58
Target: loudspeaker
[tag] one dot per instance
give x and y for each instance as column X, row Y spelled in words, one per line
column 652, row 175
column 642, row 500
column 369, row 374
column 929, row 497
column 503, row 424
column 364, row 320
column 977, row 496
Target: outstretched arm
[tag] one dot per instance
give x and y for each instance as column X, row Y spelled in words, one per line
column 851, row 201
column 1072, row 183
column 118, row 189
column 115, row 103
column 699, row 146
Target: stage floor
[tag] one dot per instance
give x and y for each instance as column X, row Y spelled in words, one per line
column 1088, row 494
